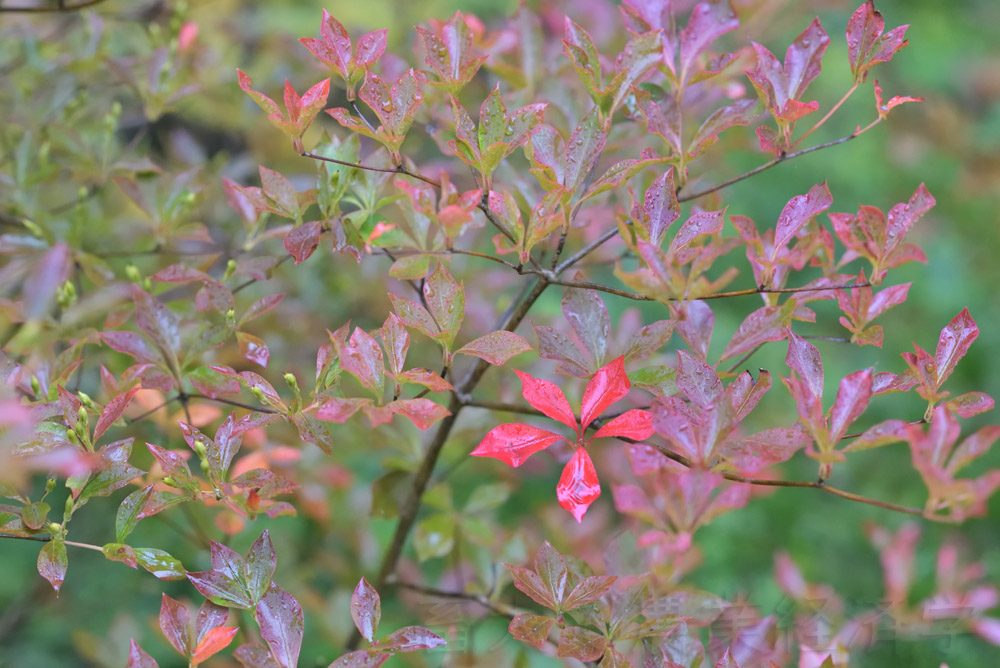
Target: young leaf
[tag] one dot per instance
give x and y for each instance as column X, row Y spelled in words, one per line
column 279, row 616
column 496, row 347
column 532, row 629
column 607, row 386
column 138, row 658
column 175, row 622
column 366, row 609
column 635, row 424
column 578, row 486
column 548, row 398
column 514, row 443
column 53, row 562
column 411, row 639
column 866, row 45
column 260, row 564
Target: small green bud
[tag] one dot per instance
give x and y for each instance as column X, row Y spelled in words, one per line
column 32, row 227
column 86, row 400
column 169, row 481
column 205, row 468
column 231, row 318
column 81, row 415
column 36, row 387
column 230, row 269
column 54, row 527
column 200, row 448
column 132, row 273
column 292, row 382
column 50, row 485
column 68, row 507
column 72, row 437
column 258, row 393
column 147, row 284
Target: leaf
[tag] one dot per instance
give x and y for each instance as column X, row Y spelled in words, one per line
column 708, row 21
column 138, row 658
column 410, row 639
column 366, row 609
column 578, row 643
column 396, row 341
column 53, row 562
column 514, row 443
column 340, row 409
column 301, row 241
column 281, row 622
column 552, row 571
column 261, row 562
column 435, row 536
column 112, row 411
column 175, row 622
column 607, row 386
column 588, row 316
column 257, row 656
column 804, row 357
column 800, row 210
column 852, row 399
column 531, row 584
column 214, row 641
column 253, row 348
column 583, row 149
column 362, row 358
column 767, row 323
column 129, row 512
column 866, row 45
column 532, row 629
column 496, row 347
column 578, row 486
column 113, row 471
column 953, row 344
column 588, row 590
column 741, row 112
column 34, row 515
column 445, row 300
column 548, row 398
column 635, row 424
column 697, row 380
column 160, row 323
column 159, row 563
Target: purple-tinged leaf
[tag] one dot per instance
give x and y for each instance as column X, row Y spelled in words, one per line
column 260, row 564
column 552, row 570
column 971, row 403
column 42, row 284
column 532, row 629
column 160, row 323
column 366, row 609
column 745, row 392
column 396, row 341
column 53, row 562
column 866, row 45
column 767, row 323
column 588, row 316
column 708, row 21
column 648, row 340
column 221, row 589
column 799, row 211
column 421, row 411
column 281, row 622
column 557, row 347
column 583, row 149
column 496, row 347
column 411, row 639
column 697, row 380
column 358, row 659
column 175, row 622
column 362, row 358
column 578, row 643
column 261, row 306
column 741, row 112
column 954, row 343
column 301, row 241
column 340, row 409
column 131, row 343
column 804, row 357
column 113, row 471
column 852, row 400
column 695, row 326
column 112, row 411
column 414, row 315
column 881, row 434
column 138, row 658
column 660, row 207
column 211, row 383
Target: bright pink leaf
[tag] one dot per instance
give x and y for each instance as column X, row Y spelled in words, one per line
column 578, row 486
column 514, row 443
column 548, row 398
column 366, row 609
column 636, row 424
column 607, row 386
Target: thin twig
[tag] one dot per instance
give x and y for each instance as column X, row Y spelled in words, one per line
column 498, row 608
column 56, row 8
column 237, row 404
column 780, row 159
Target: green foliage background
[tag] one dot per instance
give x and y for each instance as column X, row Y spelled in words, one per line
column 952, row 142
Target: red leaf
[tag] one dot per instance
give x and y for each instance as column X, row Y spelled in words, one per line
column 514, row 443
column 366, row 609
column 340, row 409
column 421, row 411
column 588, row 590
column 280, row 619
column 578, row 486
column 767, row 323
column 396, row 341
column 708, row 21
column 496, row 347
column 548, row 398
column 635, row 424
column 532, row 629
column 301, row 241
column 607, row 386
column 362, row 358
column 215, row 640
column 112, row 411
column 866, row 45
column 697, row 380
column 799, row 210
column 531, row 584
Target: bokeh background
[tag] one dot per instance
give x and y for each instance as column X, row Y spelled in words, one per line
column 951, row 142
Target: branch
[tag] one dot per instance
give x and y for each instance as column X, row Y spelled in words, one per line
column 781, row 158
column 586, row 285
column 498, row 608
column 237, row 404
column 399, row 169
column 58, row 7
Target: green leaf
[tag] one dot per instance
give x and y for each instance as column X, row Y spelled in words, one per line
column 34, row 515
column 120, row 552
column 435, row 536
column 53, row 562
column 129, row 512
column 159, row 563
column 445, row 298
column 487, row 497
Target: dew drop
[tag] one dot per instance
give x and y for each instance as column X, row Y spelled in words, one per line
column 387, row 105
column 510, row 129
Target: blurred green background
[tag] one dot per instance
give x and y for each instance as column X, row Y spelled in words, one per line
column 951, row 142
